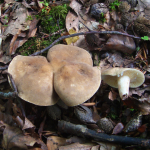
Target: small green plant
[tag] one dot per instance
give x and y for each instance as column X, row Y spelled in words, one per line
column 145, row 38
column 46, row 8
column 56, row 15
column 59, row 12
column 45, row 3
column 113, row 5
column 102, row 18
column 131, row 109
column 6, row 19
column 138, row 48
column 29, row 18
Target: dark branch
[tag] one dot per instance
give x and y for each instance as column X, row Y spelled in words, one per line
column 12, row 83
column 7, row 95
column 3, row 68
column 83, row 33
column 67, row 127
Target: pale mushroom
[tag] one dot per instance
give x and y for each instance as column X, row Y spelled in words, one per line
column 76, row 83
column 33, row 77
column 123, row 78
column 60, row 55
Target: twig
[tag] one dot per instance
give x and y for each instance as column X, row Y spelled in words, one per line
column 85, row 26
column 4, row 67
column 83, row 33
column 7, row 95
column 12, row 83
column 10, row 94
column 67, row 127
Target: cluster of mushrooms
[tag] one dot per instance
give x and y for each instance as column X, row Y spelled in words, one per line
column 68, row 74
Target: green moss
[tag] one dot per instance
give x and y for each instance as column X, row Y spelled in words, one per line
column 50, row 17
column 28, row 48
column 102, row 18
column 56, row 15
column 113, row 5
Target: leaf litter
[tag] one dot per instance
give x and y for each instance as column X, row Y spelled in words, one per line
column 36, row 127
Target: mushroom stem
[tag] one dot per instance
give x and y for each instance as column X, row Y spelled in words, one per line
column 123, row 86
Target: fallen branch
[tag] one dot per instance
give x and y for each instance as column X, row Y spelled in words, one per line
column 80, row 130
column 7, row 95
column 83, row 33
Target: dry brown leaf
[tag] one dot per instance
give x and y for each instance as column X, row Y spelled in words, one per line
column 5, row 59
column 51, row 145
column 97, row 147
column 10, row 1
column 14, row 138
column 18, row 27
column 120, row 43
column 18, row 21
column 76, row 6
column 13, row 41
column 20, row 41
column 76, row 146
column 108, row 146
column 109, row 60
column 72, row 21
column 140, row 104
column 112, row 95
column 54, row 141
column 6, row 118
column 33, row 28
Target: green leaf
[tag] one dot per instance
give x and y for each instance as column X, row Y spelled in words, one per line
column 145, row 38
column 138, row 48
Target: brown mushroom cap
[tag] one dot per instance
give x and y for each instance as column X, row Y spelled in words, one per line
column 33, row 77
column 60, row 55
column 110, row 76
column 76, row 83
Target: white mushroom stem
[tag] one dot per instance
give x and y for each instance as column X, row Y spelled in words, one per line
column 123, row 86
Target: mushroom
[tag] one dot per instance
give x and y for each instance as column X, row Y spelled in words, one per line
column 76, row 83
column 33, row 77
column 123, row 78
column 60, row 55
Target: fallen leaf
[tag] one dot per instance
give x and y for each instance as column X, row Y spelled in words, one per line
column 71, row 39
column 6, row 118
column 76, row 6
column 13, row 137
column 112, row 95
column 76, row 146
column 118, row 128
column 121, row 43
column 53, row 142
column 108, row 146
column 142, row 128
column 18, row 21
column 72, row 21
